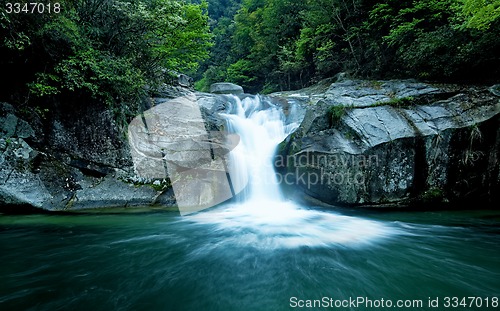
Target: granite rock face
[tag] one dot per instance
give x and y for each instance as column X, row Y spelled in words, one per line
column 82, row 157
column 171, row 141
column 395, row 142
column 226, row 88
column 69, row 163
column 360, row 143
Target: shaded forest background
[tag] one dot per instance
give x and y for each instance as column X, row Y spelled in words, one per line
column 115, row 52
column 98, row 52
column 272, row 45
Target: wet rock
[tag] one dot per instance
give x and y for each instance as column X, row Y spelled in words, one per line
column 167, row 91
column 495, row 89
column 360, row 93
column 82, row 162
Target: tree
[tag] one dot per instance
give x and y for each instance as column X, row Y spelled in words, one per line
column 284, row 44
column 107, row 49
column 427, row 39
column 480, row 14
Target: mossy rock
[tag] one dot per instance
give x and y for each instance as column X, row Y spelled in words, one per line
column 433, row 195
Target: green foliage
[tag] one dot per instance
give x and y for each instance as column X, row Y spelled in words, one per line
column 202, row 85
column 109, row 50
column 13, row 35
column 213, row 69
column 212, row 74
column 399, row 102
column 42, row 87
column 263, row 43
column 479, row 14
column 285, row 44
column 335, row 114
column 160, row 185
column 426, row 39
column 433, row 195
column 241, row 72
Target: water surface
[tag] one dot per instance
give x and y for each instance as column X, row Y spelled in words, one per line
column 224, row 260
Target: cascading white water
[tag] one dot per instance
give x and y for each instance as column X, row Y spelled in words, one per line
column 261, row 126
column 262, row 217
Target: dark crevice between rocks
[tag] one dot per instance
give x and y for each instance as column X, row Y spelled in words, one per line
column 475, row 179
column 91, row 169
column 420, row 167
column 213, row 130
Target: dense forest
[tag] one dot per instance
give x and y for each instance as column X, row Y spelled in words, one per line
column 105, row 51
column 114, row 51
column 270, row 45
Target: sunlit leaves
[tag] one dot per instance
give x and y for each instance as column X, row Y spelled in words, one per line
column 480, row 14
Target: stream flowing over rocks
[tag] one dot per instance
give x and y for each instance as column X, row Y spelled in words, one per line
column 357, row 145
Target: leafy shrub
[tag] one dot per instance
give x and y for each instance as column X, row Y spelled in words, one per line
column 433, row 195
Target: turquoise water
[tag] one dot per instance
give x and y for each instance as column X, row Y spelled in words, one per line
column 244, row 258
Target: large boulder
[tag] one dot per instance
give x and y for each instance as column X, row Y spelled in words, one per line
column 11, row 125
column 168, row 91
column 211, row 105
column 75, row 163
column 18, row 184
column 395, row 142
column 226, row 88
column 171, row 141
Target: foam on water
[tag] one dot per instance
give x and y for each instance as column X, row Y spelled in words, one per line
column 275, row 224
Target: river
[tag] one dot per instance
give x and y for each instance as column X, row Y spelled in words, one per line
column 161, row 261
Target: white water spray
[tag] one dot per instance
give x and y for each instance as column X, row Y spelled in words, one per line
column 262, row 217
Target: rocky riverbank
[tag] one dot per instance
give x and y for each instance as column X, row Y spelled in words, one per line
column 360, row 143
column 72, row 158
column 394, row 143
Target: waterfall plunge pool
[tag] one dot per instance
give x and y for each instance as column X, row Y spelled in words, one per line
column 162, row 261
column 260, row 252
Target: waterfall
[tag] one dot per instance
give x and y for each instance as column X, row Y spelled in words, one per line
column 261, row 217
column 261, row 125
